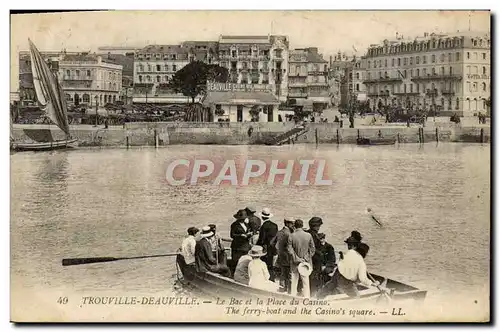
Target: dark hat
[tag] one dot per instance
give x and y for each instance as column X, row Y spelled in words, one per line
column 213, row 227
column 354, row 238
column 192, row 230
column 315, row 221
column 250, row 209
column 241, row 214
column 362, row 249
column 321, row 236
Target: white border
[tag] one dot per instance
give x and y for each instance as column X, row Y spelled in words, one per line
column 185, row 4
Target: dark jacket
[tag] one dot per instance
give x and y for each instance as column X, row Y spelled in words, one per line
column 316, row 259
column 268, row 231
column 282, row 246
column 327, row 257
column 204, row 259
column 301, row 246
column 254, row 223
column 239, row 242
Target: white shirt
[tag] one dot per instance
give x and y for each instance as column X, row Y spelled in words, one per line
column 244, row 226
column 188, row 245
column 353, row 267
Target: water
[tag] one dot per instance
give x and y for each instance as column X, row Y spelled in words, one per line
column 434, row 202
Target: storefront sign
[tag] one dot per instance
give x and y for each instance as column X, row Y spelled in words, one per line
column 212, row 86
column 478, row 77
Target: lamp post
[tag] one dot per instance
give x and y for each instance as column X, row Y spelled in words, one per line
column 96, row 106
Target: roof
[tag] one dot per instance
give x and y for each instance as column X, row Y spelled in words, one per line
column 240, row 97
column 315, row 57
column 79, row 57
column 224, row 39
column 169, row 49
column 127, row 62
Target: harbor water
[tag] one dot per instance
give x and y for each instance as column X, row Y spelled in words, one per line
column 433, row 201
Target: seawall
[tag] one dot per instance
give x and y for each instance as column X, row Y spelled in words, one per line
column 169, row 133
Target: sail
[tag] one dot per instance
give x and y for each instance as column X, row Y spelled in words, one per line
column 48, row 90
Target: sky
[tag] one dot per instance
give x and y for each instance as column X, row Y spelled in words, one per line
column 330, row 31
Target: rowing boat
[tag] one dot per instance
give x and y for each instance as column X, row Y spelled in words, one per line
column 375, row 141
column 215, row 285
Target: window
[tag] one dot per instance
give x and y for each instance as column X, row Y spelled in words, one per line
column 174, row 56
column 469, row 87
column 393, row 62
column 148, row 78
column 433, row 58
column 411, row 61
column 357, row 76
column 451, row 70
column 449, row 57
column 140, row 78
column 174, row 68
column 88, row 73
column 68, row 73
column 483, row 86
column 86, row 98
column 474, row 86
column 457, row 103
column 166, row 67
column 418, row 72
column 484, row 70
column 158, row 79
column 475, row 55
column 404, row 73
column 484, row 56
column 385, row 75
column 375, row 64
column 442, row 57
column 158, row 68
column 418, row 87
column 449, row 103
column 417, row 60
column 77, row 73
column 457, row 56
column 442, row 71
column 357, row 86
column 385, row 62
column 399, row 61
column 149, row 67
column 424, row 59
column 468, row 70
column 468, row 55
column 369, row 64
column 424, row 72
column 411, row 88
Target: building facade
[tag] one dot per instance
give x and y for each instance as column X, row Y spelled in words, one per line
column 154, row 67
column 85, row 78
column 256, row 60
column 437, row 73
column 308, row 79
column 89, row 80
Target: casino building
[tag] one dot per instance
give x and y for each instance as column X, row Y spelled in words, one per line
column 239, row 102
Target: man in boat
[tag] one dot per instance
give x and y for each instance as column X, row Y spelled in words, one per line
column 328, row 260
column 217, row 246
column 283, row 260
column 254, row 223
column 267, row 234
column 240, row 233
column 352, row 242
column 301, row 248
column 204, row 258
column 315, row 278
column 241, row 271
column 189, row 244
column 351, row 271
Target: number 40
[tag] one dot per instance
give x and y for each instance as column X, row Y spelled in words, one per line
column 62, row 300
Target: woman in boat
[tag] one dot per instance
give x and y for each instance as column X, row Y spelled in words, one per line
column 241, row 234
column 258, row 274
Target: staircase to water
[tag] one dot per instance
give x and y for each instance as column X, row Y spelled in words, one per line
column 288, row 136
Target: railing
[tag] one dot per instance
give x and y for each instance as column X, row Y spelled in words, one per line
column 437, row 77
column 448, row 92
column 317, row 83
column 78, row 78
column 317, row 73
column 297, row 94
column 297, row 83
column 431, row 92
column 383, row 79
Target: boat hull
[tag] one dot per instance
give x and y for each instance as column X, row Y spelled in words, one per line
column 215, row 285
column 43, row 146
column 375, row 141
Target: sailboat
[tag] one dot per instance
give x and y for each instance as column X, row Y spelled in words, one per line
column 52, row 101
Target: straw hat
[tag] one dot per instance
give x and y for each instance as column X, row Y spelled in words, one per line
column 206, row 232
column 266, row 213
column 305, row 269
column 256, row 251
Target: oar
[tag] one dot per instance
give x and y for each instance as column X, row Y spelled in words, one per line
column 90, row 260
column 370, row 212
column 382, row 291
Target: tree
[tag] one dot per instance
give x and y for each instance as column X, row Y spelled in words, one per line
column 191, row 80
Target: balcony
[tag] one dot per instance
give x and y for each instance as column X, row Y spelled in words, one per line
column 430, row 77
column 297, row 94
column 384, row 80
column 384, row 94
column 297, row 83
column 431, row 92
column 406, row 93
column 317, row 83
column 77, row 78
column 448, row 92
column 297, row 74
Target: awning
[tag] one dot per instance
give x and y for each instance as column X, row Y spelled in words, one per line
column 240, row 97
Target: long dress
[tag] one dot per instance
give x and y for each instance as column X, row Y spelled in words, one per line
column 259, row 276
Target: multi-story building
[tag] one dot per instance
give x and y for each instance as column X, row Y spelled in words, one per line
column 353, row 88
column 337, row 79
column 256, row 60
column 88, row 79
column 154, row 67
column 308, row 78
column 436, row 72
column 205, row 51
column 123, row 50
column 127, row 62
column 85, row 78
